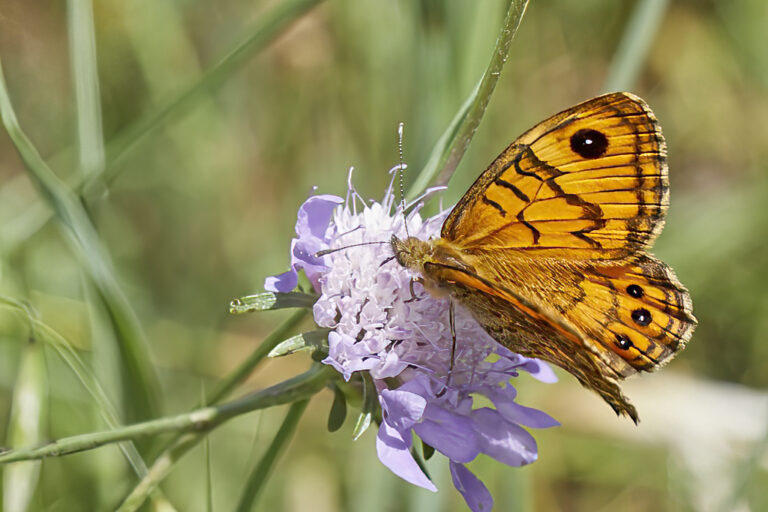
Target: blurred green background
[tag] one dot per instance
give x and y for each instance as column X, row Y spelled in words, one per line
column 199, row 208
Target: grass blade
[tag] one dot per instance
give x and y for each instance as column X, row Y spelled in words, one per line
column 28, row 414
column 258, row 476
column 633, row 49
column 455, row 141
column 82, row 43
column 315, row 379
column 85, row 242
column 268, row 28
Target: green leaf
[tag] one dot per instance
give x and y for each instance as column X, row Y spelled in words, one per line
column 312, row 340
column 454, row 142
column 27, row 426
column 370, row 404
column 268, row 300
column 635, row 44
column 80, row 232
column 427, row 450
column 258, row 476
column 338, row 412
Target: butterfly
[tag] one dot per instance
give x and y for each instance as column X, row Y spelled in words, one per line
column 548, row 248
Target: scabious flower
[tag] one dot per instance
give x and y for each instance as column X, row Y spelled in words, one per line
column 383, row 322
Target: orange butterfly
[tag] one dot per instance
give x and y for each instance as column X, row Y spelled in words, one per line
column 547, row 249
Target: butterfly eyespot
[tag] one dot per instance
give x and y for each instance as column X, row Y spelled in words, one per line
column 589, row 143
column 623, row 342
column 635, row 291
column 641, row 316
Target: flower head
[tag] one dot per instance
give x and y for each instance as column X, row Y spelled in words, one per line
column 383, row 321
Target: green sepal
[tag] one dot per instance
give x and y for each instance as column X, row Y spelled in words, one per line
column 370, row 403
column 270, row 300
column 427, row 449
column 338, row 412
column 316, row 341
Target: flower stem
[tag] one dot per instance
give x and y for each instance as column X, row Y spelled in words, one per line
column 268, row 28
column 258, row 476
column 236, row 377
column 454, row 142
column 300, row 387
column 635, row 43
column 80, row 231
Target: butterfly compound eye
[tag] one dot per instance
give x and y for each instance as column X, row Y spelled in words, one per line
column 589, row 143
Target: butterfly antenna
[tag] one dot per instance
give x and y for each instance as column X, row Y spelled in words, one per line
column 325, row 252
column 402, row 175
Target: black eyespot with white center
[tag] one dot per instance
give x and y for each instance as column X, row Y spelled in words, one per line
column 623, row 342
column 641, row 316
column 635, row 291
column 589, row 143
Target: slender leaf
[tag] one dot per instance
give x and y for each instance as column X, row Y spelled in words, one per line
column 84, row 239
column 312, row 340
column 28, row 417
column 370, row 403
column 635, row 42
column 269, row 27
column 298, row 388
column 207, row 418
column 269, row 300
column 455, row 141
column 258, row 477
column 338, row 412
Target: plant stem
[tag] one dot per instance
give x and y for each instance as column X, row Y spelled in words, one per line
column 268, row 28
column 463, row 127
column 207, row 418
column 638, row 35
column 87, row 246
column 258, row 476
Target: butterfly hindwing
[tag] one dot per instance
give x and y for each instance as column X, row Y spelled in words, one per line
column 639, row 312
column 589, row 183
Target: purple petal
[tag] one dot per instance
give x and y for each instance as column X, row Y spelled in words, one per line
column 450, row 434
column 394, row 452
column 502, row 440
column 284, row 282
column 402, row 409
column 517, row 413
column 315, row 214
column 540, row 371
column 342, row 355
column 476, row 494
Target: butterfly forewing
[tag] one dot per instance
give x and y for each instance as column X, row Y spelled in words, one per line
column 589, row 183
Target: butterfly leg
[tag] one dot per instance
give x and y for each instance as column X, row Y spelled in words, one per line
column 414, row 298
column 386, row 261
column 452, row 323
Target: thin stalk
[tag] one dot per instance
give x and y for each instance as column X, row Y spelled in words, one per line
column 260, row 473
column 82, row 45
column 300, row 387
column 635, row 43
column 184, row 442
column 461, row 130
column 166, row 462
column 270, row 26
column 239, row 374
column 87, row 246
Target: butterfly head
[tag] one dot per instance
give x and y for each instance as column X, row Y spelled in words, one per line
column 411, row 252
